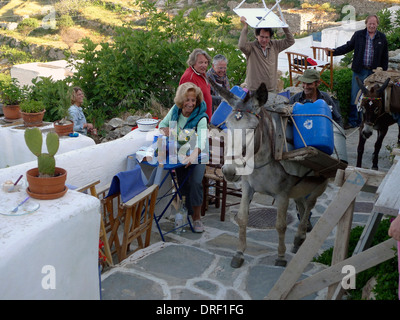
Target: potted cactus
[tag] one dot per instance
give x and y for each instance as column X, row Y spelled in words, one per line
column 46, row 181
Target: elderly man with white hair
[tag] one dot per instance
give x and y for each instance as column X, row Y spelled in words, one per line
column 217, row 73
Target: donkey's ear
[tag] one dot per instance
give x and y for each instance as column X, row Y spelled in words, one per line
column 233, row 100
column 262, row 94
column 361, row 85
column 385, row 84
column 225, row 93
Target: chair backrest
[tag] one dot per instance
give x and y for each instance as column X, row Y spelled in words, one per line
column 320, row 54
column 297, row 62
column 91, row 186
column 216, row 147
column 139, row 214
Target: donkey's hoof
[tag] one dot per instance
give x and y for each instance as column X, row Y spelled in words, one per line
column 237, row 260
column 280, row 262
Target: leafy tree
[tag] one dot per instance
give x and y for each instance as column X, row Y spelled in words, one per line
column 385, row 24
column 140, row 64
column 390, row 27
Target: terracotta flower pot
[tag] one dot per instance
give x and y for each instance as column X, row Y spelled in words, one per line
column 64, row 129
column 46, row 188
column 11, row 112
column 33, row 119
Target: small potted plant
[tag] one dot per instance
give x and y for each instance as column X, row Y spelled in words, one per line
column 32, row 112
column 64, row 126
column 46, row 181
column 11, row 95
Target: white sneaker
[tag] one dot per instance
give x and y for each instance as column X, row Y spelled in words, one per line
column 198, row 226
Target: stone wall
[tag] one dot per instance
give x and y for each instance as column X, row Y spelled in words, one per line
column 50, row 52
column 361, row 6
column 394, row 60
column 309, row 20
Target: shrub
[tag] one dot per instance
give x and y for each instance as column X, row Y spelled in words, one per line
column 15, row 55
column 390, row 27
column 49, row 92
column 11, row 92
column 341, row 87
column 31, row 23
column 386, row 273
column 65, row 21
column 27, row 25
column 394, row 39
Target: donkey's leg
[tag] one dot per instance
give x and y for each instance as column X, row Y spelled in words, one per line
column 242, row 219
column 282, row 204
column 360, row 148
column 301, row 233
column 300, row 236
column 398, row 137
column 300, row 208
column 307, row 203
column 378, row 144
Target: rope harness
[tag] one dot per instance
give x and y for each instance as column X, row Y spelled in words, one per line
column 264, row 114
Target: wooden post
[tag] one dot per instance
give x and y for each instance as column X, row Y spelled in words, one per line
column 341, row 245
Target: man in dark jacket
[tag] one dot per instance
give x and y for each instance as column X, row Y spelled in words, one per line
column 370, row 51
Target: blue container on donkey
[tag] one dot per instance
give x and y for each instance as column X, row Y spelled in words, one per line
column 314, row 123
column 224, row 109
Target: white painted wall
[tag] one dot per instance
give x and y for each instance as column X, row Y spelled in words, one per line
column 331, row 37
column 101, row 161
column 58, row 70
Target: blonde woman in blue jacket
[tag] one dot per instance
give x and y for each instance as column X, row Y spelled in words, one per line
column 188, row 115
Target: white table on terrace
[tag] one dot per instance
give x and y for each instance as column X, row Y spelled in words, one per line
column 51, row 253
column 13, row 149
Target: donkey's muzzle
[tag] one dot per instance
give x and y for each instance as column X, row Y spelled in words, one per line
column 229, row 172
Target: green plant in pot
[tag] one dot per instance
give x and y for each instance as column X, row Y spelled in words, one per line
column 46, row 181
column 11, row 95
column 64, row 126
column 32, row 112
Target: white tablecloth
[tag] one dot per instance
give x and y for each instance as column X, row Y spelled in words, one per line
column 51, row 253
column 13, row 149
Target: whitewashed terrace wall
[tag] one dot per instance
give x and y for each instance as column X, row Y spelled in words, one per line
column 98, row 162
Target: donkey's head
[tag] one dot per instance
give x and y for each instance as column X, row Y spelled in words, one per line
column 372, row 105
column 244, row 112
column 242, row 123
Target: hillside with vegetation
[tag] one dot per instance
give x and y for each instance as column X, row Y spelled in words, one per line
column 129, row 55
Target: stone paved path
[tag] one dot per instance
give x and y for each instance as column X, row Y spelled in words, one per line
column 197, row 266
